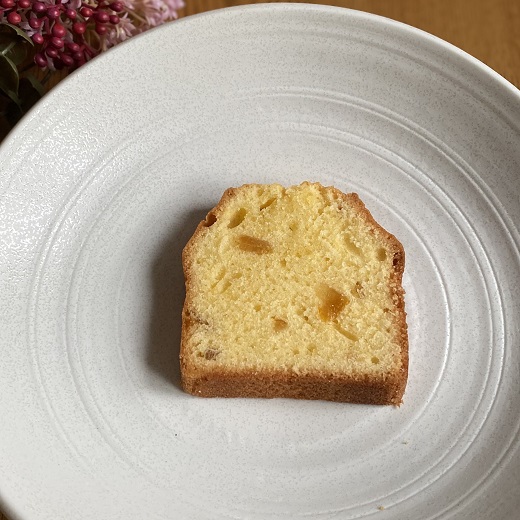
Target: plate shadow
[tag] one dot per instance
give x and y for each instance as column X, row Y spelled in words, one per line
column 167, row 278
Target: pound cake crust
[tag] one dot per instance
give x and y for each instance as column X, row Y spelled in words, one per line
column 302, row 333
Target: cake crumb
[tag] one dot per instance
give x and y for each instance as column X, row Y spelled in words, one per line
column 381, row 508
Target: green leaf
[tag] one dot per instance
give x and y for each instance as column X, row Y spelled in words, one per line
column 18, row 31
column 5, row 126
column 14, row 48
column 28, row 93
column 7, row 42
column 7, row 39
column 18, row 54
column 35, row 83
column 8, row 75
column 12, row 114
column 13, row 96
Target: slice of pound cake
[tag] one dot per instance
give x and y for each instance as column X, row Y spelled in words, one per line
column 294, row 292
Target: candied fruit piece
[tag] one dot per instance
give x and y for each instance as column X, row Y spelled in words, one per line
column 332, row 302
column 254, row 245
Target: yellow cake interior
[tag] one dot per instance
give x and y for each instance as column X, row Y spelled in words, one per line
column 295, row 280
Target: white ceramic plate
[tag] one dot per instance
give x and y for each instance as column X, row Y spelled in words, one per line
column 103, row 183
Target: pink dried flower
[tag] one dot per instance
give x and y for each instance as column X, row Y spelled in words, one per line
column 155, row 12
column 67, row 33
column 120, row 32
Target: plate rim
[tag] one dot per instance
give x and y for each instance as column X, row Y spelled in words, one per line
column 397, row 27
column 507, row 87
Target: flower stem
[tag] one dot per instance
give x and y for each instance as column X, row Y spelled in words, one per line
column 7, row 49
column 46, row 77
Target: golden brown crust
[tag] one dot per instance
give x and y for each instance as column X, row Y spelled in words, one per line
column 217, row 382
column 272, row 385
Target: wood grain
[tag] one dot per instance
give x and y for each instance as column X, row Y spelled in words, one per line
column 487, row 30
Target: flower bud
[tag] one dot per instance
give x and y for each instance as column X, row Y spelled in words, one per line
column 86, row 12
column 101, row 17
column 37, row 38
column 73, row 46
column 79, row 27
column 51, row 52
column 58, row 30
column 67, row 60
column 57, row 42
column 38, row 7
column 35, row 23
column 117, row 6
column 40, row 60
column 14, row 18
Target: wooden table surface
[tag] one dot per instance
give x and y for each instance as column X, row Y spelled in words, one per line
column 489, row 30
